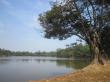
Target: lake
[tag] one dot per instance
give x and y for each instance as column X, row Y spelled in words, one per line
column 25, row 68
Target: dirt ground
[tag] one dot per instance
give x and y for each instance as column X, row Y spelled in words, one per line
column 91, row 73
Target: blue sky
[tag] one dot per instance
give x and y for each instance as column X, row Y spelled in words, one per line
column 20, row 29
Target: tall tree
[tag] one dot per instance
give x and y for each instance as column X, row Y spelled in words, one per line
column 83, row 18
column 105, row 40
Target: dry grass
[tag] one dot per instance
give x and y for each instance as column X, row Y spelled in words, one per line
column 91, row 73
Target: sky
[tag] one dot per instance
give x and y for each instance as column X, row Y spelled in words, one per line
column 20, row 29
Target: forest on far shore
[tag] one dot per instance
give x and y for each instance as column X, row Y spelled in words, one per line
column 71, row 51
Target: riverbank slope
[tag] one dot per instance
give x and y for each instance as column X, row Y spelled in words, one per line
column 91, row 73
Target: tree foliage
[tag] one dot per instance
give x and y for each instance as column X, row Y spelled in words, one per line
column 83, row 18
column 77, row 51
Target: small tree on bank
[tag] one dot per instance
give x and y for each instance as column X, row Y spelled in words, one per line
column 83, row 18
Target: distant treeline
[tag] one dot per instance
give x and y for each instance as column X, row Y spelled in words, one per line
column 72, row 51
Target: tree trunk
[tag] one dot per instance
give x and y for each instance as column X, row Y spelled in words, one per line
column 97, row 52
column 98, row 56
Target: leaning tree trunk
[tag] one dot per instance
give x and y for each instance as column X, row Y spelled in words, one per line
column 97, row 52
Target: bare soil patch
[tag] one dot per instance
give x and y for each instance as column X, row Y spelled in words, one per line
column 91, row 73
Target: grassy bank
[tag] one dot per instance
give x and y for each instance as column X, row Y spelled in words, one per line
column 91, row 73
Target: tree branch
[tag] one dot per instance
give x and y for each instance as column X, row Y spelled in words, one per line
column 102, row 22
column 89, row 14
column 82, row 22
column 94, row 13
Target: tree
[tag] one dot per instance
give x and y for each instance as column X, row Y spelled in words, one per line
column 83, row 18
column 81, row 50
column 105, row 41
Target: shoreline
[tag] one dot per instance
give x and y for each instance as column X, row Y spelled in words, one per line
column 91, row 73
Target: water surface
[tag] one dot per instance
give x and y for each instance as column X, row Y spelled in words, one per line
column 23, row 69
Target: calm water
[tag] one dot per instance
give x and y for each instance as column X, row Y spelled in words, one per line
column 23, row 69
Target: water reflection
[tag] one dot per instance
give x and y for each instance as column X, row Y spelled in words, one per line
column 16, row 69
column 4, row 61
column 75, row 64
